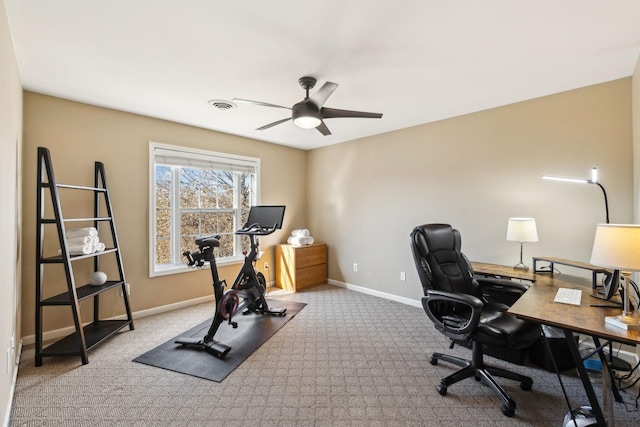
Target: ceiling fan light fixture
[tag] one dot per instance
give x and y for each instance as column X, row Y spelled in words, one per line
column 307, row 122
column 310, row 112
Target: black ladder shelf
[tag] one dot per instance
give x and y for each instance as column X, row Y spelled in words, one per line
column 84, row 337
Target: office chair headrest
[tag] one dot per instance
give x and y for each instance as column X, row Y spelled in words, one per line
column 440, row 247
column 429, row 239
column 441, row 237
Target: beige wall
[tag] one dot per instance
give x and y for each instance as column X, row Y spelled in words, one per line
column 635, row 111
column 10, row 182
column 474, row 172
column 78, row 134
column 635, row 108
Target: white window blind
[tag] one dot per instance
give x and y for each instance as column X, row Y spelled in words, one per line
column 204, row 160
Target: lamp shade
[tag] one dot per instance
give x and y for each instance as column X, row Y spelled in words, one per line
column 522, row 230
column 617, row 246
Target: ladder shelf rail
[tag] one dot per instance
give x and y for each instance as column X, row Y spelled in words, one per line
column 85, row 335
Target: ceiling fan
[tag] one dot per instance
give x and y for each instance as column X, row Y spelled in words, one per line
column 310, row 112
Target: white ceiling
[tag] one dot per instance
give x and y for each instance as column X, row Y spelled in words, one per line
column 415, row 61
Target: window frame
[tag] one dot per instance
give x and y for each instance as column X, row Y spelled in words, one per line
column 197, row 155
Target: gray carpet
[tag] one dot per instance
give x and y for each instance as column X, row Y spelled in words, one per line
column 347, row 359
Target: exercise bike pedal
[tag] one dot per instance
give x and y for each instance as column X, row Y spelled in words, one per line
column 216, row 348
column 188, row 341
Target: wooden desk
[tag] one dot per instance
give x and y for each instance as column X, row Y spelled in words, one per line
column 502, row 271
column 537, row 305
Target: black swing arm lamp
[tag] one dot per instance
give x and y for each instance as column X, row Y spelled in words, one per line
column 593, row 180
column 610, row 283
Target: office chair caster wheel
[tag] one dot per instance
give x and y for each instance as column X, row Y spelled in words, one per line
column 433, row 361
column 525, row 385
column 442, row 390
column 507, row 410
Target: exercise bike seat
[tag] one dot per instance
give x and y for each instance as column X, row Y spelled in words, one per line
column 212, row 241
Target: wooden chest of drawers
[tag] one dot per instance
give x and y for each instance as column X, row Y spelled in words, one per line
column 300, row 267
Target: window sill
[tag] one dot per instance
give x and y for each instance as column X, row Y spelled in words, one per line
column 168, row 270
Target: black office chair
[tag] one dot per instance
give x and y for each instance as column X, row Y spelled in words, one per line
column 458, row 305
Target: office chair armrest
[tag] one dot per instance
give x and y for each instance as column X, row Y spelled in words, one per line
column 508, row 285
column 455, row 315
column 501, row 291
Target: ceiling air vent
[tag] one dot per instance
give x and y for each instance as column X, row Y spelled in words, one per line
column 221, row 104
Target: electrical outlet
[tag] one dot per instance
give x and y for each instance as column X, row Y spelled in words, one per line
column 128, row 286
column 355, row 267
column 11, row 351
column 403, row 276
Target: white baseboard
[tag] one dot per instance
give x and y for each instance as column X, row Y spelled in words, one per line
column 385, row 295
column 16, row 362
column 63, row 332
column 627, row 355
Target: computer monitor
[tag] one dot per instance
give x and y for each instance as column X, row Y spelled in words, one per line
column 266, row 216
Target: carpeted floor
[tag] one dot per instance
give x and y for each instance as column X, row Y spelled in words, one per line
column 347, row 359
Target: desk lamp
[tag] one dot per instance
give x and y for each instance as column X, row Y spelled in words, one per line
column 593, row 180
column 609, row 288
column 522, row 230
column 617, row 246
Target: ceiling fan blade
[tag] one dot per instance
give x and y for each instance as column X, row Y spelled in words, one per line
column 262, row 104
column 332, row 113
column 322, row 94
column 270, row 125
column 323, row 129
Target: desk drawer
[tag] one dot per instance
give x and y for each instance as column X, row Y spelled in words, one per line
column 307, row 256
column 311, row 276
column 301, row 267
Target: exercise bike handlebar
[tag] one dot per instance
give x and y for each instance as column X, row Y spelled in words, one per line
column 256, row 229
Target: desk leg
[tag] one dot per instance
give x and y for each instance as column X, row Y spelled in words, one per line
column 586, row 383
column 607, row 401
column 607, row 384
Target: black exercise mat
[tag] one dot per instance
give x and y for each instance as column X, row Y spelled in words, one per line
column 253, row 331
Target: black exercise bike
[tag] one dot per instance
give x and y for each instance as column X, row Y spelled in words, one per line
column 248, row 290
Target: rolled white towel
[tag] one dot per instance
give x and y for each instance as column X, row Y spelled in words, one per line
column 82, row 240
column 300, row 241
column 98, row 247
column 79, row 249
column 81, row 232
column 302, row 232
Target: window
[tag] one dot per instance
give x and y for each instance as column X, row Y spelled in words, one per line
column 193, row 193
